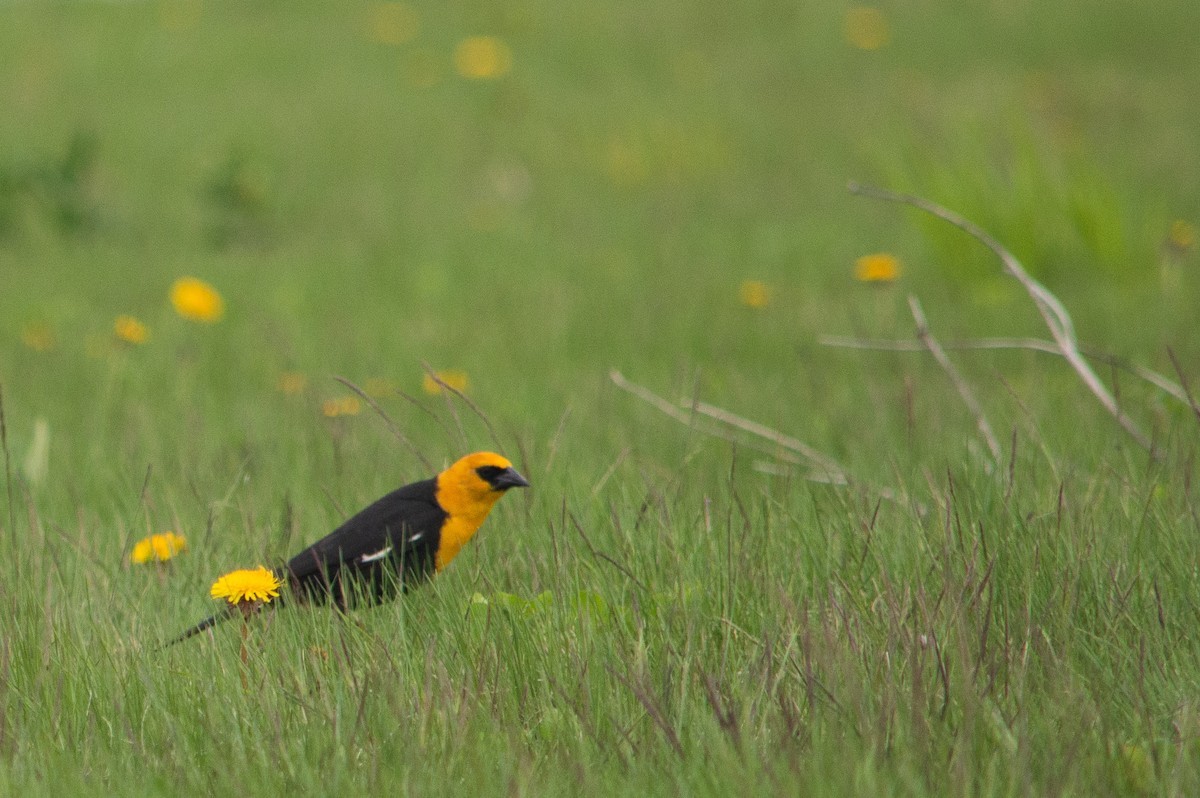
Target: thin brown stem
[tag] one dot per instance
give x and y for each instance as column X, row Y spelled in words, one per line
column 1053, row 312
column 960, row 384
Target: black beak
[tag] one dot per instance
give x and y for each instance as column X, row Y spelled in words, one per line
column 509, row 478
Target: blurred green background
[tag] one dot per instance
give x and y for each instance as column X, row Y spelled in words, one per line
column 363, row 204
column 533, row 193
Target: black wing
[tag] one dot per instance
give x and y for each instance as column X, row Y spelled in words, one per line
column 373, row 553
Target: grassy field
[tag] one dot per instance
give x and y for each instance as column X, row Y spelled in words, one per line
column 676, row 607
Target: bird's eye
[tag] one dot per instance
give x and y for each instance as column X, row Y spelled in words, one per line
column 488, row 473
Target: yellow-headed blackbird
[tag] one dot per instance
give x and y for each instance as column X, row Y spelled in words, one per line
column 400, row 540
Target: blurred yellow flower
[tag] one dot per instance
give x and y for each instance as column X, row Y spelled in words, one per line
column 626, row 163
column 342, row 406
column 160, row 548
column 247, row 586
column 130, row 330
column 454, row 378
column 196, row 300
column 482, row 57
column 1182, row 235
column 866, row 28
column 754, row 294
column 881, row 267
column 292, row 383
column 392, row 23
column 38, row 336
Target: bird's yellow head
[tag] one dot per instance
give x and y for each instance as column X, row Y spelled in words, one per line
column 466, row 491
column 473, row 484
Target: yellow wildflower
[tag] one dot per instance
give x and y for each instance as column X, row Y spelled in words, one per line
column 392, row 23
column 131, row 330
column 881, row 267
column 482, row 58
column 342, row 406
column 160, row 548
column 754, row 294
column 1181, row 236
column 247, row 586
column 292, row 383
column 866, row 28
column 626, row 163
column 38, row 336
column 454, row 378
column 196, row 300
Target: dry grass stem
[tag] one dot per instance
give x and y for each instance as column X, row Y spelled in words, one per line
column 387, row 421
column 828, row 470
column 1031, row 344
column 964, row 390
column 1053, row 312
column 433, row 375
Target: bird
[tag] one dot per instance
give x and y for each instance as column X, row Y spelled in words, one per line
column 399, row 541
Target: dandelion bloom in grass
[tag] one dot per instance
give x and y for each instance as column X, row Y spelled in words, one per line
column 130, row 330
column 392, row 23
column 342, row 406
column 454, row 378
column 754, row 294
column 159, row 548
column 247, row 586
column 1181, row 235
column 866, row 28
column 482, row 58
column 292, row 383
column 38, row 336
column 196, row 300
column 881, row 267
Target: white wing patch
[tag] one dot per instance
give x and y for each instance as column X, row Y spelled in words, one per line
column 379, row 555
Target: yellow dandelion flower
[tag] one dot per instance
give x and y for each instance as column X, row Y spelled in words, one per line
column 754, row 294
column 196, row 300
column 247, row 586
column 38, row 336
column 130, row 330
column 292, row 383
column 482, row 58
column 392, row 23
column 454, row 378
column 866, row 28
column 160, row 548
column 342, row 406
column 881, row 267
column 1182, row 235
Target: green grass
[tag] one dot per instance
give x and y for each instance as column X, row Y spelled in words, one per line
column 665, row 612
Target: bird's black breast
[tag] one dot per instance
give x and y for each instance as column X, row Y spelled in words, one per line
column 376, row 552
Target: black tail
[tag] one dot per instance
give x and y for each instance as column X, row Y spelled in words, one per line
column 207, row 623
